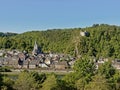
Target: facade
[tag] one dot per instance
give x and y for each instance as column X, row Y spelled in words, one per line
column 61, row 65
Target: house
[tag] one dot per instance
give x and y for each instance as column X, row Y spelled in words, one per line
column 47, row 61
column 33, row 64
column 103, row 60
column 1, row 54
column 1, row 61
column 100, row 62
column 20, row 63
column 71, row 63
column 43, row 65
column 116, row 63
column 61, row 65
column 84, row 33
column 13, row 61
column 30, row 63
column 25, row 64
column 14, row 58
column 22, row 56
column 5, row 61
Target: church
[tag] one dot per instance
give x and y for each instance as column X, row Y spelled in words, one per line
column 36, row 50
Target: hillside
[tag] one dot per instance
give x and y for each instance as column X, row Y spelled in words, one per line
column 103, row 41
column 7, row 34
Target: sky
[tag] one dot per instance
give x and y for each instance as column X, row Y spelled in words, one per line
column 27, row 15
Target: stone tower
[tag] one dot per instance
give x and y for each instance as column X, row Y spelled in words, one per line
column 35, row 49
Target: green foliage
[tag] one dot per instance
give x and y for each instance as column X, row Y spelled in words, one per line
column 7, row 83
column 84, row 67
column 8, row 34
column 102, row 41
column 5, row 69
column 70, row 79
column 111, row 75
column 40, row 78
column 63, row 85
column 98, row 83
column 1, row 83
column 26, row 81
column 116, row 77
column 107, row 70
column 80, row 84
column 115, row 81
column 50, row 83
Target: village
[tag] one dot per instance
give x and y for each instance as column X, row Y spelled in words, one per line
column 37, row 59
column 49, row 61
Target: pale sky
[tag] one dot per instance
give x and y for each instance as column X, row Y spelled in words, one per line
column 26, row 15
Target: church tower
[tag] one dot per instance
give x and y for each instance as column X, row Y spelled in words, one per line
column 35, row 49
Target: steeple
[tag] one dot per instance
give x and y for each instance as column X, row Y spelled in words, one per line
column 36, row 46
column 35, row 49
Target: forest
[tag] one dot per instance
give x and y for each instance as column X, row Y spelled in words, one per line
column 102, row 41
column 8, row 34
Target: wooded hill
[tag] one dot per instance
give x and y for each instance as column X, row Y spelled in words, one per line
column 103, row 41
column 7, row 34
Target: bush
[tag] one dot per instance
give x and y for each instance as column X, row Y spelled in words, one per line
column 5, row 69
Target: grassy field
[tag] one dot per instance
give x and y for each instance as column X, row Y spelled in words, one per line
column 17, row 71
column 14, row 74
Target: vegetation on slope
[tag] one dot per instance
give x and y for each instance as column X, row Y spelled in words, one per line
column 103, row 41
column 8, row 34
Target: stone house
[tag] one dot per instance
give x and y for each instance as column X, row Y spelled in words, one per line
column 47, row 61
column 116, row 63
column 84, row 33
column 100, row 62
column 13, row 61
column 61, row 65
column 30, row 63
column 43, row 65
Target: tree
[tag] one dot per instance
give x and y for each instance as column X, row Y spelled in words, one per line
column 116, row 80
column 7, row 83
column 26, row 81
column 84, row 67
column 1, row 83
column 50, row 83
column 80, row 84
column 70, row 80
column 40, row 78
column 98, row 83
column 107, row 69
